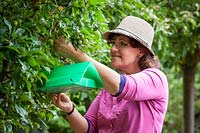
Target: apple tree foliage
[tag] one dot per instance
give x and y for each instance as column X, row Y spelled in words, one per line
column 27, row 31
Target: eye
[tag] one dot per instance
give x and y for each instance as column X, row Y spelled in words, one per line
column 123, row 44
column 110, row 42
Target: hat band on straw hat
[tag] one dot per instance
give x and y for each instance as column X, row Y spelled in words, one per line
column 135, row 37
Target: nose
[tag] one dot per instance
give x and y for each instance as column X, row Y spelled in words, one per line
column 114, row 48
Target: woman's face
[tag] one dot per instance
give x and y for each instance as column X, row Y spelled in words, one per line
column 125, row 55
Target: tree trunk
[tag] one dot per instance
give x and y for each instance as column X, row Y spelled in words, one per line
column 188, row 85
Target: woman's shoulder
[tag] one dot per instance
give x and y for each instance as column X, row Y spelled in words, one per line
column 156, row 75
column 151, row 74
column 154, row 71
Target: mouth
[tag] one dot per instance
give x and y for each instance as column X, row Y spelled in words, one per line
column 115, row 57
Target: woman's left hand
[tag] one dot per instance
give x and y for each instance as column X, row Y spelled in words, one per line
column 62, row 101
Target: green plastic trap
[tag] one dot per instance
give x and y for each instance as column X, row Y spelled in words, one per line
column 72, row 77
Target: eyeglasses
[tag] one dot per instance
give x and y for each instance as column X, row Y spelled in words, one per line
column 120, row 44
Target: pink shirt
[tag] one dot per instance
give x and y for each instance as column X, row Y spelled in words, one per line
column 139, row 108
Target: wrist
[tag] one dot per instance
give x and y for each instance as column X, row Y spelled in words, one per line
column 72, row 110
column 81, row 56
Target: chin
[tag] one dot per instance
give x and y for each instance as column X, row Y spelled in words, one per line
column 116, row 65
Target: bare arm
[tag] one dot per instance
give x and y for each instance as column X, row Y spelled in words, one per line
column 77, row 121
column 110, row 78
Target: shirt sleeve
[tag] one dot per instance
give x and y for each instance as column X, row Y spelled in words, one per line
column 91, row 114
column 121, row 86
column 146, row 85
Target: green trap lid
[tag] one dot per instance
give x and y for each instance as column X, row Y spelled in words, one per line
column 72, row 77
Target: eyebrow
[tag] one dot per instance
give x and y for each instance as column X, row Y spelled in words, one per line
column 127, row 40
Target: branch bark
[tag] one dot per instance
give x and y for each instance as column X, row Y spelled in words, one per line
column 4, row 71
column 189, row 70
column 188, row 99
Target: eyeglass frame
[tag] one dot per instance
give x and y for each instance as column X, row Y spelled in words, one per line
column 123, row 44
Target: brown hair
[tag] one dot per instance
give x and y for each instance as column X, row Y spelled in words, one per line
column 148, row 60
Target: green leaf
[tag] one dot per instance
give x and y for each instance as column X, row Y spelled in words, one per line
column 20, row 31
column 12, row 48
column 8, row 24
column 26, row 97
column 2, row 112
column 31, row 60
column 8, row 128
column 93, row 2
column 21, row 111
column 29, row 85
column 24, row 66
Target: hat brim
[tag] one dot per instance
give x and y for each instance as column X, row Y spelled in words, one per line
column 129, row 34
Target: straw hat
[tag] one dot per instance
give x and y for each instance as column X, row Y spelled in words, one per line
column 136, row 28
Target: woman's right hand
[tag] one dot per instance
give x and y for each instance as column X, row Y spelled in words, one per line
column 65, row 49
column 63, row 102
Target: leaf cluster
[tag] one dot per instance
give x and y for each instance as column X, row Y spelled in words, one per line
column 27, row 32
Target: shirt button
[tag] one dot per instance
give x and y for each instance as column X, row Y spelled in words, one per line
column 111, row 126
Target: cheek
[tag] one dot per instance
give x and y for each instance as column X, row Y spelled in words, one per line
column 130, row 56
column 133, row 52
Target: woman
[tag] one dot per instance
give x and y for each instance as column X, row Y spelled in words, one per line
column 134, row 99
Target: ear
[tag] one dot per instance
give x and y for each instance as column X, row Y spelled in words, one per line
column 141, row 52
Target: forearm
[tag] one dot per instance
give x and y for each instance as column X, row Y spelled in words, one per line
column 78, row 122
column 110, row 78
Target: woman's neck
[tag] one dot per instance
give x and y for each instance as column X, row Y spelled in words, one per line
column 129, row 71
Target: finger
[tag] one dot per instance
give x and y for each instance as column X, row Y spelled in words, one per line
column 70, row 44
column 54, row 98
column 64, row 98
column 58, row 100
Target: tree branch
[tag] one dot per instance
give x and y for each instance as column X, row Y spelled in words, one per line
column 4, row 70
